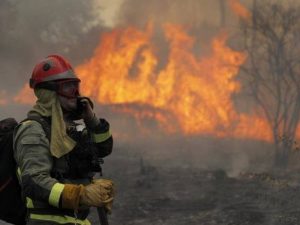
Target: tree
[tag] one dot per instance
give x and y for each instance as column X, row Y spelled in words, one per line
column 272, row 74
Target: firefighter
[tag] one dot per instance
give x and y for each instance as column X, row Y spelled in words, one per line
column 57, row 158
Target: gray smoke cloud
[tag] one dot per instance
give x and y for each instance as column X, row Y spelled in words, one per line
column 195, row 13
column 201, row 14
column 31, row 30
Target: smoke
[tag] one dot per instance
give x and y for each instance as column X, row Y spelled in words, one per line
column 31, row 30
column 145, row 140
column 193, row 13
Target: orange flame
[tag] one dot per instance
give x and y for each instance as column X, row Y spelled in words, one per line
column 25, row 96
column 3, row 98
column 193, row 91
column 239, row 9
column 190, row 93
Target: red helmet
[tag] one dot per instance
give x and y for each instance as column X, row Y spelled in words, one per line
column 51, row 73
column 52, row 68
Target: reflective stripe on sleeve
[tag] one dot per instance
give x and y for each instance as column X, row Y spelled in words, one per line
column 59, row 219
column 97, row 138
column 19, row 172
column 55, row 194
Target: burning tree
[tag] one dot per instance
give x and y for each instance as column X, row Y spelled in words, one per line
column 271, row 40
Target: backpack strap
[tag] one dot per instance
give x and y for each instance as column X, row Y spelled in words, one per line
column 3, row 186
column 44, row 123
column 7, row 125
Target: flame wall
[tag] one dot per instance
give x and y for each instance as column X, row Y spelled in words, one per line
column 184, row 90
column 190, row 93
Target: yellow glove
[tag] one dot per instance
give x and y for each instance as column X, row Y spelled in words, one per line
column 108, row 185
column 71, row 196
column 98, row 193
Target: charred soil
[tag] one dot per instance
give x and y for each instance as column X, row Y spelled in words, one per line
column 150, row 194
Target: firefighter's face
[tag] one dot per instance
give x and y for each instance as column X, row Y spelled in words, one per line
column 68, row 88
column 68, row 104
column 67, row 94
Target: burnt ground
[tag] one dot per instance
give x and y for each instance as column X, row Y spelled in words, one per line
column 186, row 196
column 159, row 194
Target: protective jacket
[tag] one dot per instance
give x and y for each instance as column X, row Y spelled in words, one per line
column 42, row 176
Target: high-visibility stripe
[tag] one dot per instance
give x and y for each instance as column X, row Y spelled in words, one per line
column 19, row 172
column 59, row 219
column 97, row 138
column 29, row 203
column 55, row 194
column 26, row 122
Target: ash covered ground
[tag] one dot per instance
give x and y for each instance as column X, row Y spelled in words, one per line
column 154, row 190
column 187, row 196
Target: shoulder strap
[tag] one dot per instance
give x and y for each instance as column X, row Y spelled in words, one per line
column 44, row 123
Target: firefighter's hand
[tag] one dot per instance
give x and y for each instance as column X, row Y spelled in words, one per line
column 97, row 194
column 109, row 185
column 86, row 106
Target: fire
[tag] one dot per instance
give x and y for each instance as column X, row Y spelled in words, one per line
column 239, row 9
column 3, row 97
column 25, row 96
column 190, row 93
